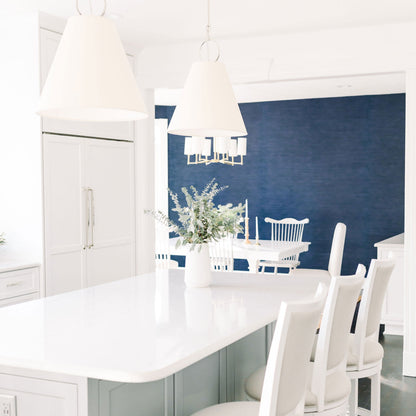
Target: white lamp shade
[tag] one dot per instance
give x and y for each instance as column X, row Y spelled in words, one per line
column 90, row 78
column 208, row 106
column 242, row 146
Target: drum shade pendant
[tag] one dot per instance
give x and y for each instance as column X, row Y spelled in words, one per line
column 90, row 78
column 208, row 107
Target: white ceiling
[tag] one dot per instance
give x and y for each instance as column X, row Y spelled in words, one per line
column 149, row 22
column 392, row 83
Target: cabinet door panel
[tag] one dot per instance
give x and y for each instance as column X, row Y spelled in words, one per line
column 128, row 399
column 65, row 272
column 105, row 264
column 35, row 397
column 110, row 175
column 244, row 357
column 198, row 386
column 109, row 172
column 64, row 201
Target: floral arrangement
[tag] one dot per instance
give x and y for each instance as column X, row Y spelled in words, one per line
column 2, row 238
column 200, row 221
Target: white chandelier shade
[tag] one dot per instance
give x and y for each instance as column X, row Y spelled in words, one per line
column 225, row 150
column 90, row 78
column 208, row 107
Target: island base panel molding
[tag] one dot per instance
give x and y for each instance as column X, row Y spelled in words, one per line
column 215, row 379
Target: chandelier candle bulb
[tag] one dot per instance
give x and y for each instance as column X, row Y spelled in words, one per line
column 188, row 146
column 247, row 234
column 242, row 146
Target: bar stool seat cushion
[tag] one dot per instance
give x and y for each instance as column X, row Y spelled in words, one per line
column 231, row 409
column 373, row 353
column 338, row 387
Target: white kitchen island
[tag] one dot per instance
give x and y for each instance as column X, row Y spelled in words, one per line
column 140, row 346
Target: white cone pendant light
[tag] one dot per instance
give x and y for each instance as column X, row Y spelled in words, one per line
column 208, row 107
column 90, row 78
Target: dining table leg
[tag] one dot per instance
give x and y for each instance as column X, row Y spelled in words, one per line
column 252, row 264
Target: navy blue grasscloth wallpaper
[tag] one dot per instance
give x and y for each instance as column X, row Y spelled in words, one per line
column 330, row 160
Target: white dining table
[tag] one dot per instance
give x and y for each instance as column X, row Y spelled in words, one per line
column 265, row 250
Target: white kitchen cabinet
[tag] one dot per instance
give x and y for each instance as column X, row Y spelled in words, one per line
column 37, row 393
column 393, row 310
column 19, row 282
column 89, row 211
column 44, row 397
column 49, row 42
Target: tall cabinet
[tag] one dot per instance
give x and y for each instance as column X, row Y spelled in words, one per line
column 89, row 211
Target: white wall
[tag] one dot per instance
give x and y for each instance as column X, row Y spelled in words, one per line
column 20, row 142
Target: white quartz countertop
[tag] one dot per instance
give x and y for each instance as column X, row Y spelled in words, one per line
column 397, row 240
column 10, row 265
column 142, row 328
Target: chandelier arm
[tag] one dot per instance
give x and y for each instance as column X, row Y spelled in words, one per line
column 102, row 13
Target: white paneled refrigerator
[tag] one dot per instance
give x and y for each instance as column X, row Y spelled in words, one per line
column 89, row 211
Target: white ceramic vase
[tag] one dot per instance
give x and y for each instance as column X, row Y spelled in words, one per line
column 197, row 267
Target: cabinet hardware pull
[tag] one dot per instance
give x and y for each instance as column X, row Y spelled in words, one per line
column 14, row 284
column 87, row 218
column 92, row 217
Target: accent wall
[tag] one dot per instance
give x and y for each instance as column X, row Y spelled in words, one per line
column 329, row 160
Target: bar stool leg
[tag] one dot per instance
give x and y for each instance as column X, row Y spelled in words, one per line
column 353, row 400
column 375, row 395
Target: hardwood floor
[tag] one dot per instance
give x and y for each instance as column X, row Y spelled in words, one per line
column 398, row 393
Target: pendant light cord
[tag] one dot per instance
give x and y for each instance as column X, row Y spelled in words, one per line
column 208, row 21
column 208, row 40
column 90, row 3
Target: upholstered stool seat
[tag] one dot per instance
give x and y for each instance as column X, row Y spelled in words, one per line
column 231, row 409
column 338, row 388
column 373, row 354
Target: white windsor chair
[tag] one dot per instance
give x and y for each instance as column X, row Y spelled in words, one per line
column 287, row 365
column 287, row 229
column 365, row 355
column 162, row 255
column 221, row 254
column 335, row 258
column 328, row 387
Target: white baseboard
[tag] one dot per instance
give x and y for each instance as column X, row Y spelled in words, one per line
column 393, row 329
